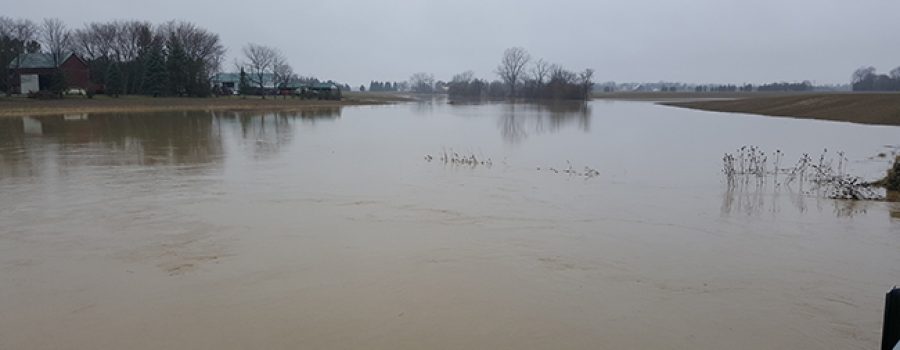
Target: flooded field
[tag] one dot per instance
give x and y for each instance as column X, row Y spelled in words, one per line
column 333, row 228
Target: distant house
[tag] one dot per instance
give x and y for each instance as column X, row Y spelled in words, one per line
column 232, row 81
column 326, row 91
column 33, row 72
column 323, row 91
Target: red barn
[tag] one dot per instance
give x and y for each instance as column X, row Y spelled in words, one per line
column 33, row 72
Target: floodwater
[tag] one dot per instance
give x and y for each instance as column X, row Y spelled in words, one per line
column 330, row 229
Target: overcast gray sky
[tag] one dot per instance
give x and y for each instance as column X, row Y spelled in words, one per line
column 715, row 41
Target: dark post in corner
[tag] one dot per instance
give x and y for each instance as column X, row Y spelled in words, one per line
column 890, row 335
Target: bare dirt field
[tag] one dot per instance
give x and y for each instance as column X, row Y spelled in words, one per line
column 20, row 106
column 864, row 108
column 681, row 96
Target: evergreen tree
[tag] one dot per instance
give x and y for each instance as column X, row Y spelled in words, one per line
column 155, row 75
column 198, row 85
column 114, row 82
column 33, row 47
column 177, row 67
column 244, row 83
column 58, row 82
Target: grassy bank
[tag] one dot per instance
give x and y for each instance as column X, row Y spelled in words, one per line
column 20, row 106
column 865, row 108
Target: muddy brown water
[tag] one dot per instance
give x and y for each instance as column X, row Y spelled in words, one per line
column 329, row 229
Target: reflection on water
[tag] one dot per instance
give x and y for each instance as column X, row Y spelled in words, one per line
column 146, row 139
column 326, row 228
column 755, row 199
column 264, row 134
column 517, row 120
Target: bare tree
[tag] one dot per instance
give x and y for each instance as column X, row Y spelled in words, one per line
column 511, row 67
column 464, row 77
column 586, row 80
column 56, row 38
column 5, row 23
column 862, row 73
column 203, row 48
column 132, row 38
column 895, row 73
column 20, row 33
column 96, row 40
column 282, row 73
column 422, row 82
column 22, row 29
column 260, row 61
column 540, row 71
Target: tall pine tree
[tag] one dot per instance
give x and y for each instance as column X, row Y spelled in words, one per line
column 114, row 81
column 244, row 84
column 155, row 74
column 177, row 66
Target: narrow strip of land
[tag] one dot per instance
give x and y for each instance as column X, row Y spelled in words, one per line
column 864, row 108
column 20, row 106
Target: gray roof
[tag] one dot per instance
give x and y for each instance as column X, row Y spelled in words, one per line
column 236, row 78
column 36, row 60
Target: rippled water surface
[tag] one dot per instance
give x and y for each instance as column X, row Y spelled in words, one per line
column 330, row 229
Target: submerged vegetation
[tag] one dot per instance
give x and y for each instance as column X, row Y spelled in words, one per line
column 451, row 157
column 751, row 165
column 570, row 170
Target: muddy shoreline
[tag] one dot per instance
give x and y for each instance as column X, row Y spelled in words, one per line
column 862, row 108
column 18, row 106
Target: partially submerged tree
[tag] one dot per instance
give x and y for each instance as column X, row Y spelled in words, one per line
column 422, row 82
column 586, row 80
column 546, row 81
column 540, row 71
column 512, row 66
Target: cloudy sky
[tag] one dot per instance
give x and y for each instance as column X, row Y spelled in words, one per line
column 715, row 41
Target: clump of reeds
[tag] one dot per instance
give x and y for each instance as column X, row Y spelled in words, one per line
column 587, row 172
column 750, row 163
column 747, row 162
column 455, row 158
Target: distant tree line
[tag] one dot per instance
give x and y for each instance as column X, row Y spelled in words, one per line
column 868, row 79
column 769, row 87
column 136, row 57
column 376, row 86
column 802, row 86
column 124, row 57
column 522, row 78
column 174, row 58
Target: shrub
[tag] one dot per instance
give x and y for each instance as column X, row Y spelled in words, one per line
column 892, row 181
